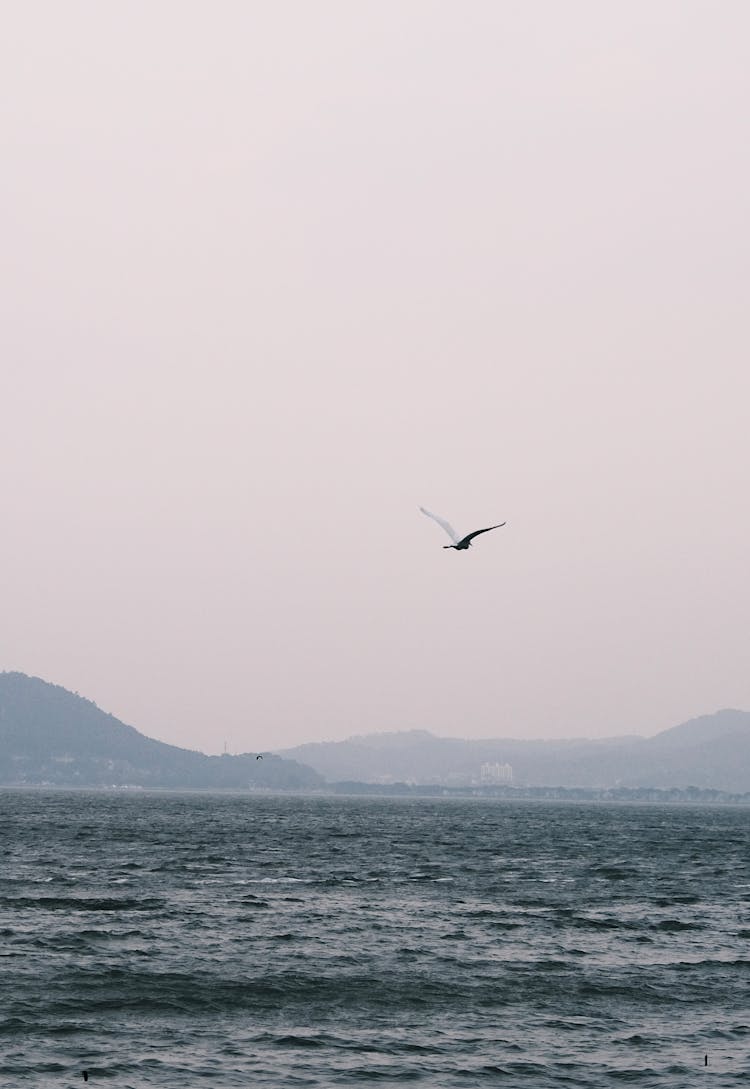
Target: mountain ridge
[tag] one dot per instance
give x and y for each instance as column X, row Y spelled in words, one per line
column 710, row 751
column 51, row 736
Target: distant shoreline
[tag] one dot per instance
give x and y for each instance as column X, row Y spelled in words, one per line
column 689, row 796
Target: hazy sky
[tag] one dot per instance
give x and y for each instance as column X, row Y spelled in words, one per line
column 276, row 273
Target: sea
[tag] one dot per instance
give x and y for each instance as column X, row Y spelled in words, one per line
column 198, row 940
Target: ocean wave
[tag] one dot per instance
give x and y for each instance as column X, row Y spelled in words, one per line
column 88, row 903
column 249, row 953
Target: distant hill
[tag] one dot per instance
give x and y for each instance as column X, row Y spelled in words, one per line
column 711, row 752
column 51, row 736
column 705, row 730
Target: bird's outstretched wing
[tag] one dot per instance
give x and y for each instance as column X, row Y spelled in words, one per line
column 476, row 533
column 446, row 525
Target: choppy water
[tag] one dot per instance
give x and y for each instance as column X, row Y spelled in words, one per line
column 193, row 940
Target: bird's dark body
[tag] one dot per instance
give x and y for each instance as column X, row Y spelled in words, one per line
column 465, row 542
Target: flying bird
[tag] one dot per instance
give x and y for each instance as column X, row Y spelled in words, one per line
column 464, row 542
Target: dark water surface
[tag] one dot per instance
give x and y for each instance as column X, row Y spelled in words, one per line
column 196, row 940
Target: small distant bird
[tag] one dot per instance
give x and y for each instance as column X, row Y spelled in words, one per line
column 464, row 542
column 259, row 756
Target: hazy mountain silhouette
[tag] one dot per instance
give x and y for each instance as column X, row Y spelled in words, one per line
column 711, row 752
column 50, row 735
column 53, row 736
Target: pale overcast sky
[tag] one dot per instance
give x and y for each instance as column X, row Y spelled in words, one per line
column 276, row 273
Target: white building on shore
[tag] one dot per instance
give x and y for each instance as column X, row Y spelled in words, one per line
column 490, row 774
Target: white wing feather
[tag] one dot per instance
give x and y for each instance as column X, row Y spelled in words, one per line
column 442, row 522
